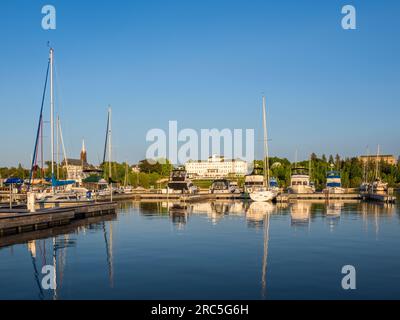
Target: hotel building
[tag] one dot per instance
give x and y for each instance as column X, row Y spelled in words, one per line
column 216, row 167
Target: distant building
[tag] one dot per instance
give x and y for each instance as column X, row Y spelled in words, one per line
column 135, row 168
column 75, row 167
column 216, row 167
column 389, row 159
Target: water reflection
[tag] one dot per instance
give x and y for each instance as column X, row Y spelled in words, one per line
column 179, row 214
column 300, row 212
column 333, row 212
column 256, row 213
column 49, row 247
column 262, row 223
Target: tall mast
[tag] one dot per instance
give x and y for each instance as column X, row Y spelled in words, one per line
column 377, row 164
column 126, row 174
column 366, row 164
column 52, row 111
column 41, row 148
column 63, row 148
column 58, row 147
column 109, row 142
column 109, row 153
column 266, row 155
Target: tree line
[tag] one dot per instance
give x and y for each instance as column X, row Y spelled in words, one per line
column 353, row 171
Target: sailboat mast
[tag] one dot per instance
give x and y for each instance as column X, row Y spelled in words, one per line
column 58, row 147
column 109, row 142
column 109, row 153
column 377, row 164
column 41, row 148
column 52, row 111
column 266, row 152
column 366, row 163
column 126, row 174
column 63, row 148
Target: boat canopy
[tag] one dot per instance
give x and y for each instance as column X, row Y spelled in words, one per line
column 333, row 179
column 333, row 174
column 60, row 183
column 273, row 182
column 14, row 181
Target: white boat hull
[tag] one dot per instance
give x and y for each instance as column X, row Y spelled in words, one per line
column 301, row 189
column 263, row 195
column 334, row 190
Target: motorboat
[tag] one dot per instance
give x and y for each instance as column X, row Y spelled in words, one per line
column 179, row 182
column 334, row 183
column 300, row 181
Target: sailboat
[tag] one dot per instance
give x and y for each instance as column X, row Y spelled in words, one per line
column 109, row 190
column 365, row 185
column 378, row 186
column 57, row 192
column 264, row 193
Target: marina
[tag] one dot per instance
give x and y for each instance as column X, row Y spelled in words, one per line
column 199, row 151
column 18, row 221
column 181, row 250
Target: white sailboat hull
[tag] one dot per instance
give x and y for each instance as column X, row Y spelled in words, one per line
column 263, row 195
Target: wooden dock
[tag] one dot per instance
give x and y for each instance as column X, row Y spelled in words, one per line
column 191, row 197
column 283, row 197
column 19, row 220
column 24, row 237
column 386, row 198
column 287, row 197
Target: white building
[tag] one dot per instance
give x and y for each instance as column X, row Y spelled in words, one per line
column 216, row 167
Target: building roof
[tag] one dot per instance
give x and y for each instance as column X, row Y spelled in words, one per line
column 220, row 159
column 75, row 162
column 376, row 156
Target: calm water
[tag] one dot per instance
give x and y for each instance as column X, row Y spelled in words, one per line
column 212, row 250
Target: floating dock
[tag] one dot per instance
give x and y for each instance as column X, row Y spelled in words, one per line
column 17, row 221
column 24, row 237
column 386, row 198
column 287, row 197
column 191, row 197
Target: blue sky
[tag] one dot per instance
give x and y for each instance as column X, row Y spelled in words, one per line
column 205, row 64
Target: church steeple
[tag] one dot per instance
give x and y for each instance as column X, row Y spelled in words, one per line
column 83, row 153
